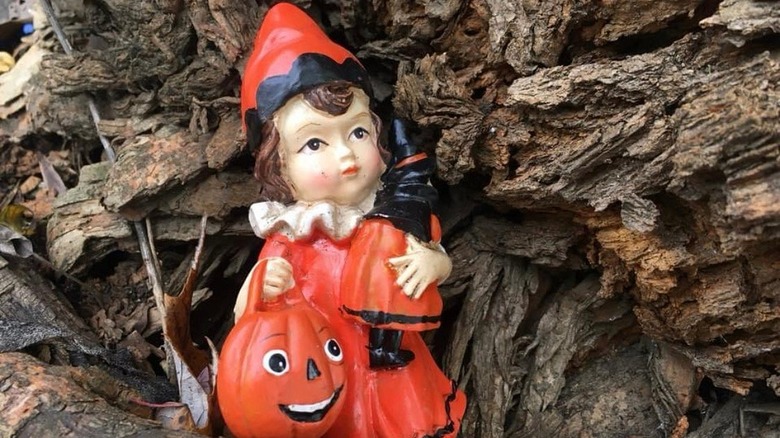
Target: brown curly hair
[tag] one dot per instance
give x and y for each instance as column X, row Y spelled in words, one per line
column 333, row 98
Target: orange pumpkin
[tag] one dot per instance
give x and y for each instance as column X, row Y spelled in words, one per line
column 281, row 372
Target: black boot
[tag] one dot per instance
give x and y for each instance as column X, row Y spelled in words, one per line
column 393, row 346
column 384, row 349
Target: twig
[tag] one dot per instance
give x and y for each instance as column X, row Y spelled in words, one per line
column 201, row 239
column 153, row 248
column 151, row 272
column 49, row 265
column 140, row 231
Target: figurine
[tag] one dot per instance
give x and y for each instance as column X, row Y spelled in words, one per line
column 401, row 219
column 306, row 108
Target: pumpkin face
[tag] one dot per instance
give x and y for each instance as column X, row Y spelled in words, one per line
column 281, row 375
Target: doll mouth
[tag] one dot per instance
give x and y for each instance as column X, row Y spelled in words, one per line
column 349, row 171
column 312, row 412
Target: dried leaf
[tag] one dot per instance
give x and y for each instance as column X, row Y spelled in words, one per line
column 214, row 367
column 176, row 325
column 19, row 218
column 51, row 178
column 14, row 244
column 204, row 379
column 191, row 392
column 105, row 326
column 139, row 347
column 188, row 361
column 175, row 417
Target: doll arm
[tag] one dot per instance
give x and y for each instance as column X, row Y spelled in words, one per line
column 276, row 276
column 423, row 264
column 420, row 267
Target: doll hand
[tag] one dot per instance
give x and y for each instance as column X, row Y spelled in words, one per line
column 277, row 272
column 420, row 267
column 278, row 278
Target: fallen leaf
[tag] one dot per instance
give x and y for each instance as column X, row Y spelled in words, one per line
column 18, row 218
column 176, row 324
column 105, row 327
column 14, row 244
column 175, row 417
column 187, row 360
column 51, row 178
column 214, row 367
column 30, row 184
column 137, row 345
column 190, row 390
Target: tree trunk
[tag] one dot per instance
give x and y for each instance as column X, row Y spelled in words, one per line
column 48, row 401
column 609, row 172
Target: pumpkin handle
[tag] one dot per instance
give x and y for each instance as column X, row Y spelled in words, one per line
column 254, row 300
column 255, row 294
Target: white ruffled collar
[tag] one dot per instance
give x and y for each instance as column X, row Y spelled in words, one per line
column 298, row 221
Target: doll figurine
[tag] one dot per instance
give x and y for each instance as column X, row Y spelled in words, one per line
column 371, row 290
column 306, row 106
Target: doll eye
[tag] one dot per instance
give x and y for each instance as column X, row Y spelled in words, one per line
column 312, row 145
column 276, row 363
column 333, row 350
column 359, row 133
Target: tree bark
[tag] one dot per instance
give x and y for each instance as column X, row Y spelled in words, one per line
column 610, row 179
column 50, row 401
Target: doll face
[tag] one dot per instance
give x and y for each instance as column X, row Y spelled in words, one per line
column 326, row 157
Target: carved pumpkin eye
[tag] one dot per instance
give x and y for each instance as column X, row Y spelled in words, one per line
column 276, row 363
column 333, row 350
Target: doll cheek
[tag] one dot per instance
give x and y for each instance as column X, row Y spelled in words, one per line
column 377, row 163
column 318, row 178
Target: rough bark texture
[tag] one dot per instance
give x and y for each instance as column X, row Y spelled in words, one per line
column 40, row 400
column 610, row 179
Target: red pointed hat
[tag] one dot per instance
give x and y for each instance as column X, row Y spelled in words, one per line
column 291, row 55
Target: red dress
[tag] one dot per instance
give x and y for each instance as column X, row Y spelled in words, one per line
column 369, row 293
column 415, row 401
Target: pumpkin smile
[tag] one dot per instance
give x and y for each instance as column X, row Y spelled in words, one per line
column 312, row 412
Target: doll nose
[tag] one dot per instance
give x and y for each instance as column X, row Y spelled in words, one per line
column 344, row 151
column 312, row 372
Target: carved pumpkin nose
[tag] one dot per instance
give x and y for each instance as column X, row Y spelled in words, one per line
column 312, row 372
